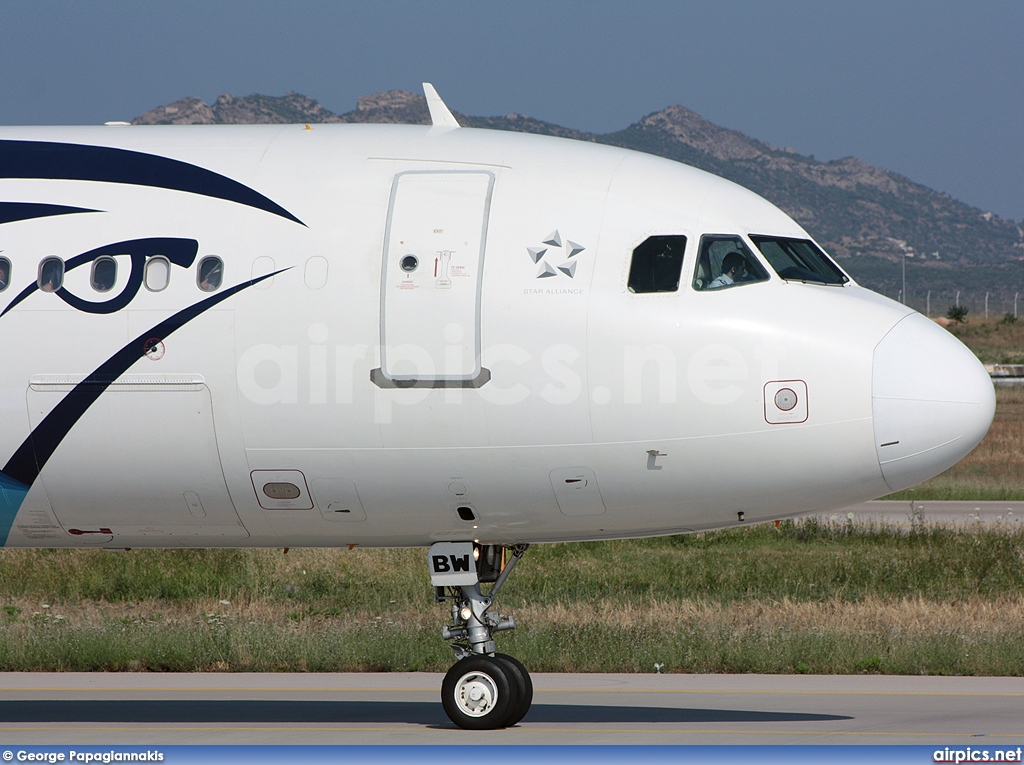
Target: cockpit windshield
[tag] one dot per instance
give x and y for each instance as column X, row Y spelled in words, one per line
column 799, row 260
column 725, row 261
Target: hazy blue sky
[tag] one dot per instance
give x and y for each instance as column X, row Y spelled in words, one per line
column 933, row 89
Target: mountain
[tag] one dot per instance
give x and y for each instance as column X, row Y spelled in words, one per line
column 250, row 110
column 871, row 219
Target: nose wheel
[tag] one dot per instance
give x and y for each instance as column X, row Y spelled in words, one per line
column 523, row 688
column 484, row 690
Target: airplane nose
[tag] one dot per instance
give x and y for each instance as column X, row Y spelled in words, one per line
column 932, row 401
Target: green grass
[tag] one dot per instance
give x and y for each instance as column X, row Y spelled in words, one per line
column 800, row 597
column 699, row 645
column 720, row 648
column 806, row 560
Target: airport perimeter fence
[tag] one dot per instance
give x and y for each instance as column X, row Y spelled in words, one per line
column 992, row 304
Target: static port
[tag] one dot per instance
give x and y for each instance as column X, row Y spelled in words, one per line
column 281, row 490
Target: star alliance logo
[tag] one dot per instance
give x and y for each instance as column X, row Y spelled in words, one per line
column 555, row 251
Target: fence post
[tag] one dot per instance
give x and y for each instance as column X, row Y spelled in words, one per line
column 928, row 304
column 986, row 305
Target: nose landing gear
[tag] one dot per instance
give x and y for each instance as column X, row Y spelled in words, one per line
column 484, row 690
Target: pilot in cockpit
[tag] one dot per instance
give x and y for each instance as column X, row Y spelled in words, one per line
column 734, row 269
column 5, row 274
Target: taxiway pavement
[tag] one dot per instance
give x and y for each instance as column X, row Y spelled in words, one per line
column 404, row 708
column 924, row 512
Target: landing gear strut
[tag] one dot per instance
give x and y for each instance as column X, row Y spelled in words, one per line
column 484, row 689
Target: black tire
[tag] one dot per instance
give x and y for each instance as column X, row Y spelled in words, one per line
column 479, row 694
column 521, row 678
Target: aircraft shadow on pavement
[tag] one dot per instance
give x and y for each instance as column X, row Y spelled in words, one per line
column 423, row 713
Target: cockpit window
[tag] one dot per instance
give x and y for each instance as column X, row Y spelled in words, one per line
column 5, row 273
column 657, row 264
column 726, row 261
column 799, row 260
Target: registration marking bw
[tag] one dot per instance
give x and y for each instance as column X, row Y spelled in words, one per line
column 452, row 564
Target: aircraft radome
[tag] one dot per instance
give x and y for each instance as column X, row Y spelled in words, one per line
column 467, row 340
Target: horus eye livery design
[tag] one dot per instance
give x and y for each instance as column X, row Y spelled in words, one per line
column 53, row 161
column 104, row 164
column 15, row 211
column 180, row 252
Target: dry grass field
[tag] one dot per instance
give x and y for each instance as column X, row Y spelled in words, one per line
column 994, row 341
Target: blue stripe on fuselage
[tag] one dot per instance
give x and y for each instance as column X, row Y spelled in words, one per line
column 12, row 494
column 11, row 212
column 25, row 464
column 81, row 162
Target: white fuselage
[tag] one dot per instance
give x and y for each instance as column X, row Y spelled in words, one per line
column 504, row 386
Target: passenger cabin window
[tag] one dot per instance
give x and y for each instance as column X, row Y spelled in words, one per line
column 5, row 273
column 158, row 273
column 104, row 274
column 210, row 274
column 726, row 261
column 657, row 264
column 799, row 260
column 51, row 274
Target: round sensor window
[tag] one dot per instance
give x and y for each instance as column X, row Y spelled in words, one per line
column 785, row 399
